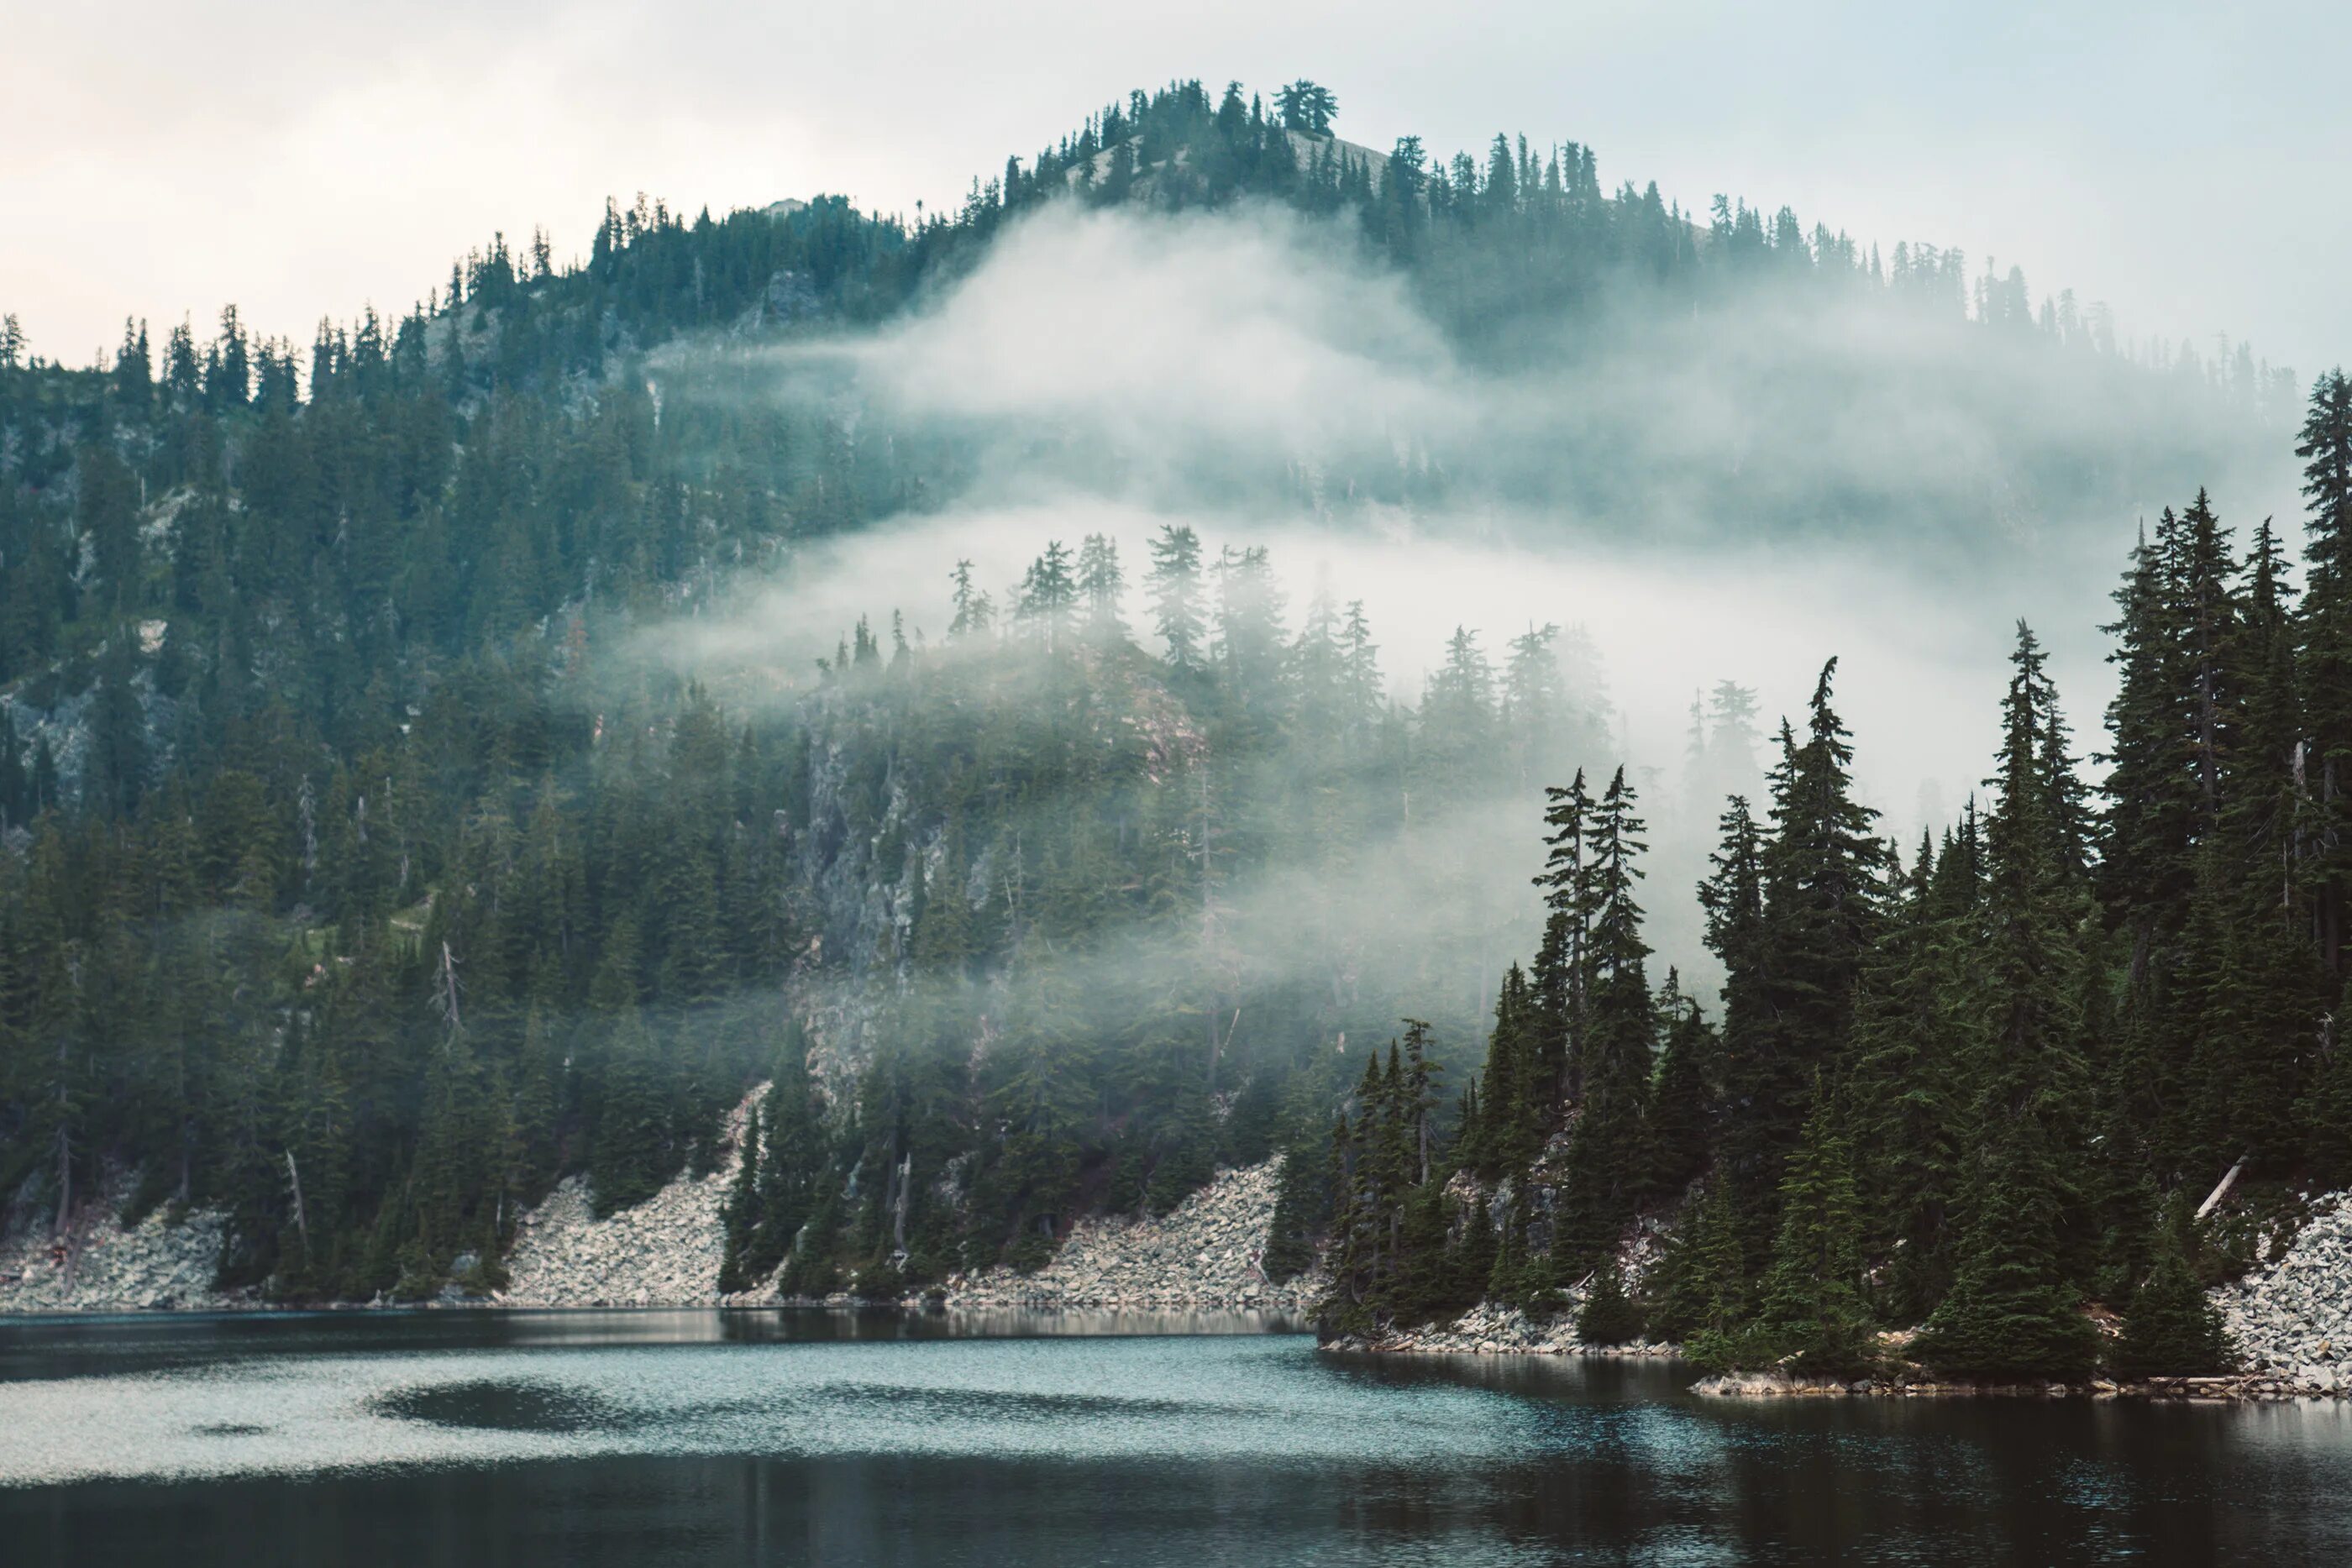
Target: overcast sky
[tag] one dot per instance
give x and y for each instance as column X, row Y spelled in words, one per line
column 2186, row 163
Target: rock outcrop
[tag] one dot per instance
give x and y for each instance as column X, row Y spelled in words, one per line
column 1204, row 1254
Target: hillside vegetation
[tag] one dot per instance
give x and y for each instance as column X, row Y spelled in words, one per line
column 363, row 878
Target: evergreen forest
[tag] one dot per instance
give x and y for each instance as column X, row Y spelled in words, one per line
column 363, row 876
column 1964, row 1094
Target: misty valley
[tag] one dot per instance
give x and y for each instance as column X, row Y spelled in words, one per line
column 1252, row 851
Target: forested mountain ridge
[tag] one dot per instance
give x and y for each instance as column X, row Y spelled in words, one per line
column 360, row 879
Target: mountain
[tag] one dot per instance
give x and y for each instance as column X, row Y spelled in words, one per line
column 356, row 843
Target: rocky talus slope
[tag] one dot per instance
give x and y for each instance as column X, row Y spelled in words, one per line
column 1204, row 1254
column 100, row 1267
column 667, row 1252
column 2292, row 1319
column 663, row 1253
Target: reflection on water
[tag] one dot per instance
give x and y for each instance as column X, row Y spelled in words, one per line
column 653, row 1437
column 79, row 1345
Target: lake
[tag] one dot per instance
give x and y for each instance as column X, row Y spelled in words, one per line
column 656, row 1438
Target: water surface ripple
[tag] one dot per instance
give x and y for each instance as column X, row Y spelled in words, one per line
column 691, row 1438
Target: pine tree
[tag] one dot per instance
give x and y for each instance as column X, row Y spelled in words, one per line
column 1249, row 648
column 2012, row 1307
column 740, row 1215
column 2173, row 1327
column 1728, row 765
column 1174, row 588
column 1458, row 718
column 1822, row 871
column 1701, row 1282
column 1813, row 1306
column 1049, row 597
column 2327, row 654
column 975, row 613
column 116, row 779
column 1609, row 1315
column 1100, row 583
column 1682, row 1100
column 2272, row 988
column 2009, row 1312
column 795, row 1153
column 1302, row 1209
column 1516, row 1092
column 1474, row 1255
column 1916, row 1035
column 632, row 1156
column 1559, row 980
column 1795, row 914
column 1606, row 1152
column 1535, row 717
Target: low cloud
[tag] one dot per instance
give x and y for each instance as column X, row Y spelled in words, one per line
column 1246, row 330
column 1737, row 490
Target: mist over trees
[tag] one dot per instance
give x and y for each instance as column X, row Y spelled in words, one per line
column 352, row 847
column 1965, row 1092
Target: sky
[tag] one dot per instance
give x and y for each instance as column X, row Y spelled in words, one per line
column 300, row 158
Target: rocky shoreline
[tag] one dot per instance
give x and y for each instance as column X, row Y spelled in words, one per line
column 1206, row 1255
column 2290, row 1320
column 1490, row 1330
column 2222, row 1388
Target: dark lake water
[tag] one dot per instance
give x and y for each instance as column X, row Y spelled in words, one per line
column 649, row 1439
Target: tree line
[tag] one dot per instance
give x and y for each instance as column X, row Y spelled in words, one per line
column 1964, row 1095
column 1009, row 923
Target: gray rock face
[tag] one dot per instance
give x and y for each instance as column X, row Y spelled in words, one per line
column 2294, row 1319
column 1205, row 1253
column 665, row 1252
column 100, row 1267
